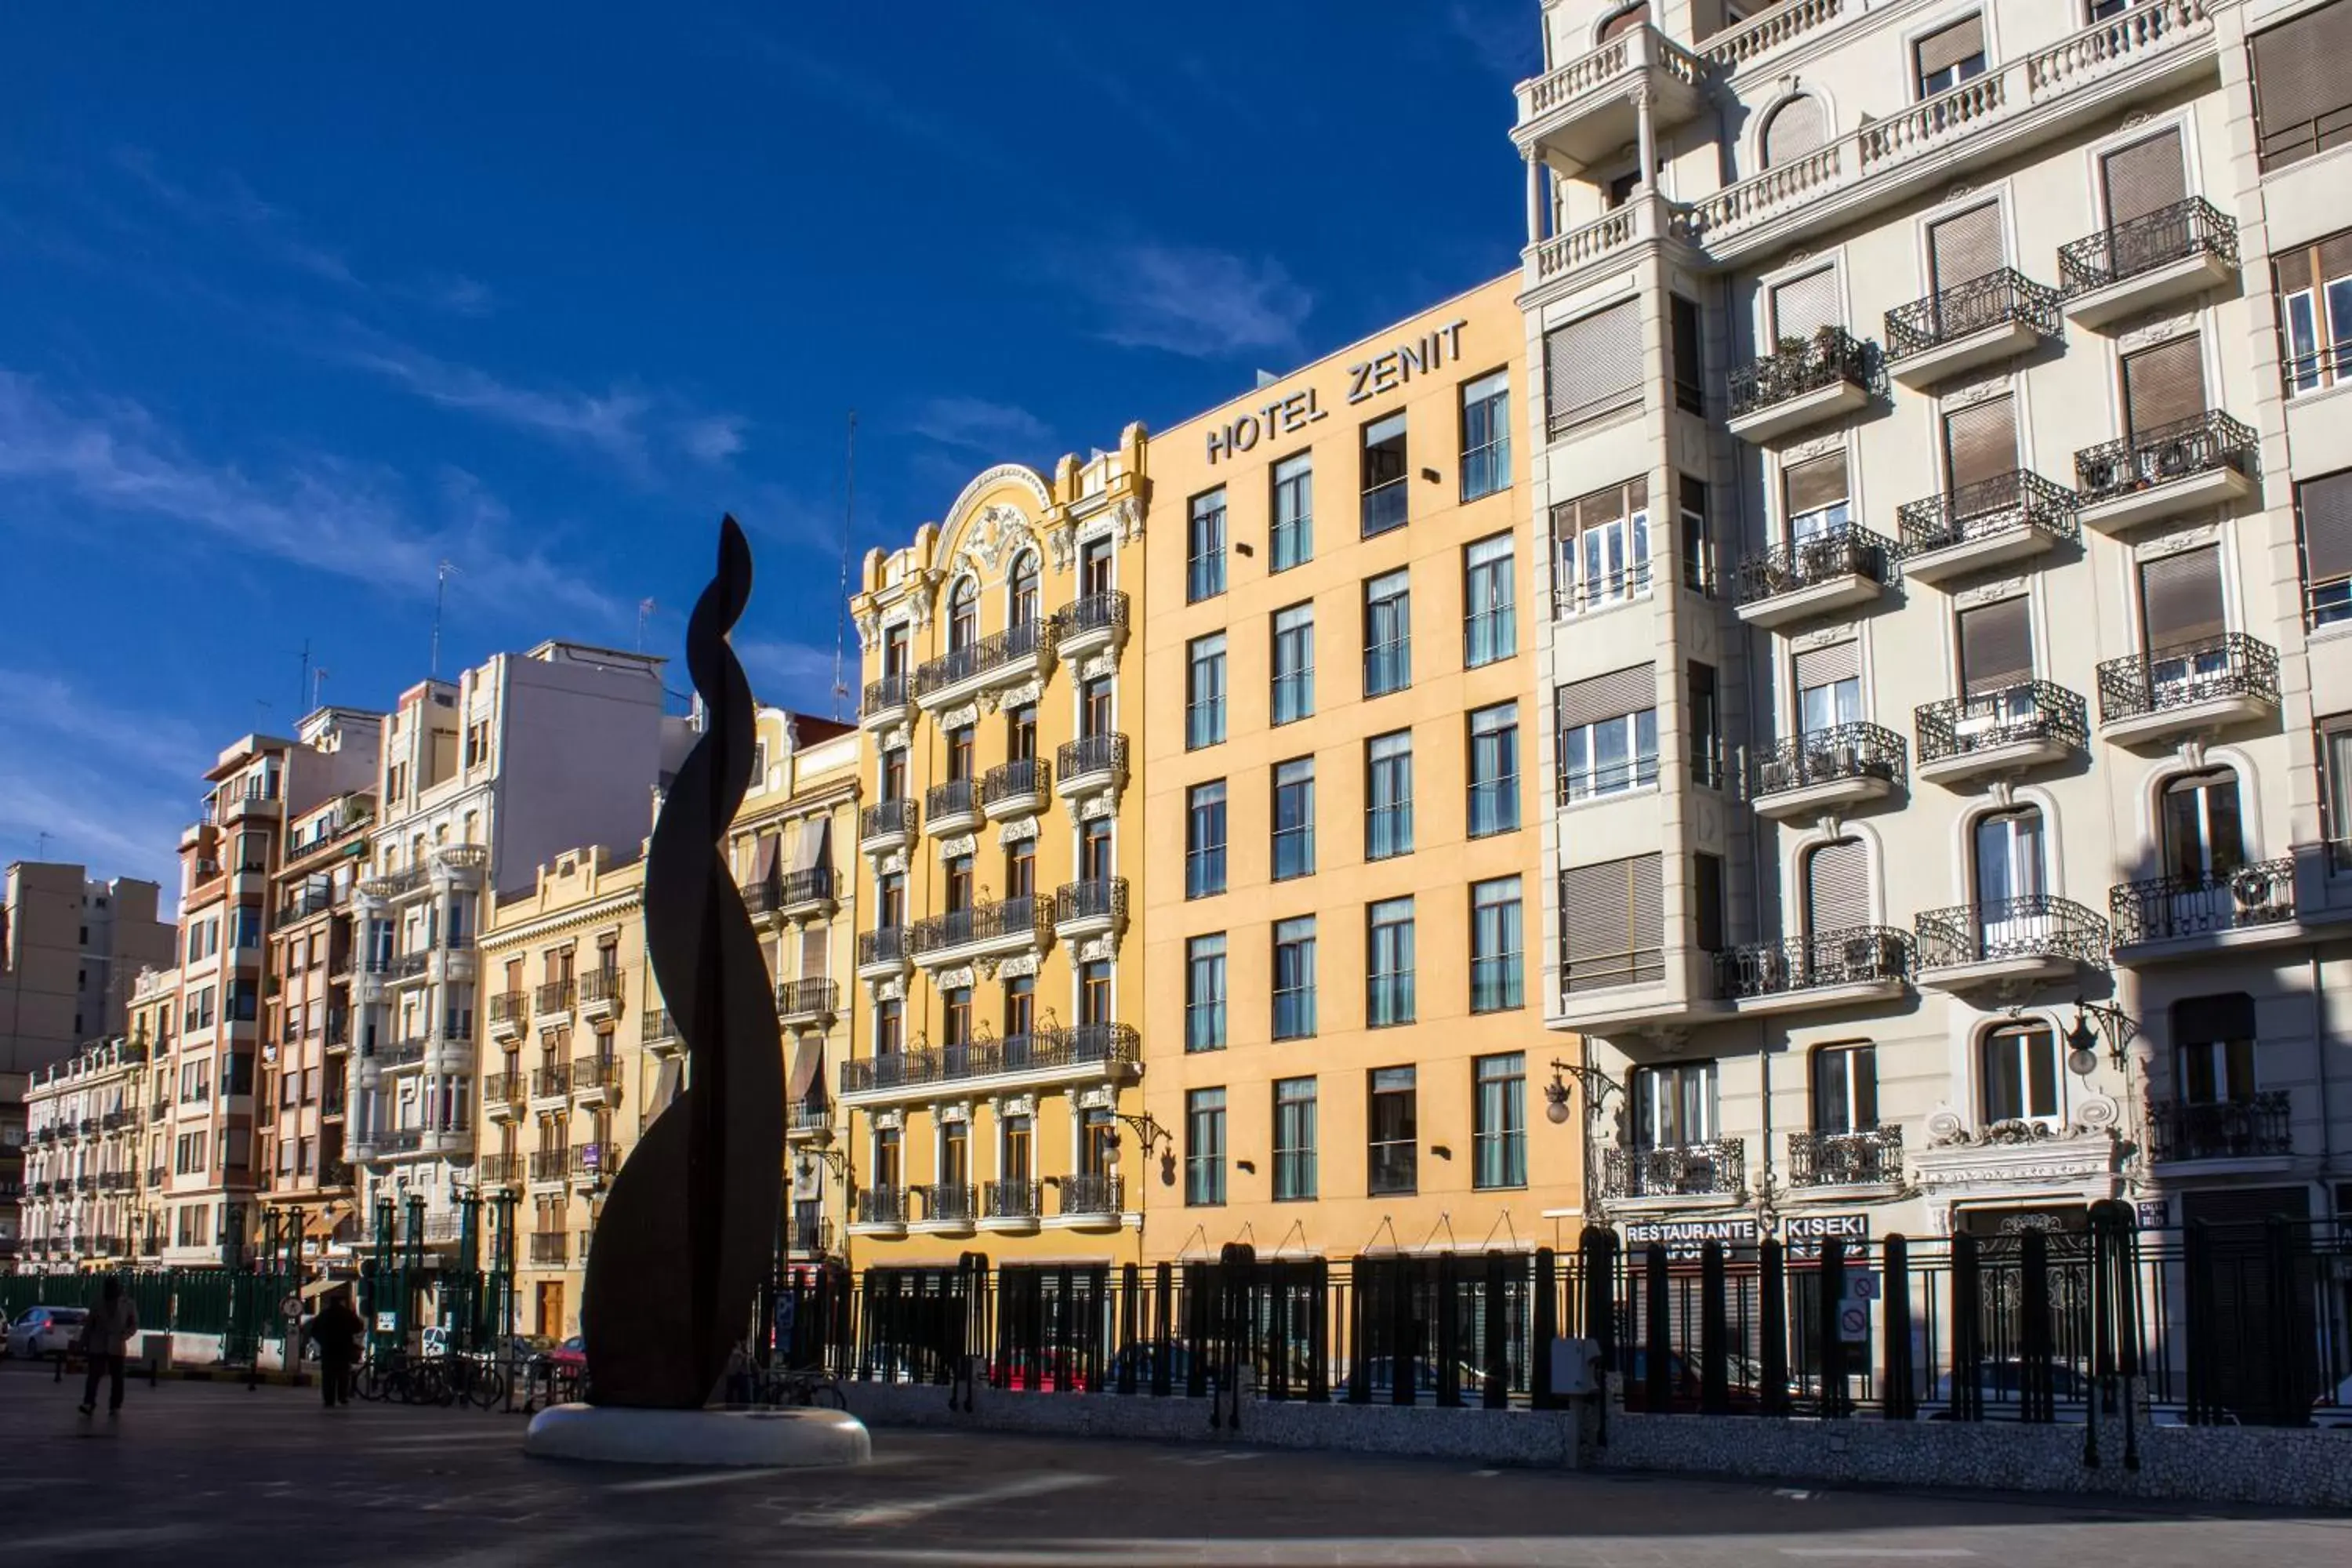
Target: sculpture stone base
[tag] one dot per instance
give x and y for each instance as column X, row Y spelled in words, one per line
column 796, row 1438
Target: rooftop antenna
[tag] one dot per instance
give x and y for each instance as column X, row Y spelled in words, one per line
column 841, row 599
column 441, row 575
column 306, row 687
column 317, row 686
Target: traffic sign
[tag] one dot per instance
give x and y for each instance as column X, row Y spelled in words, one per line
column 1853, row 1323
column 1862, row 1287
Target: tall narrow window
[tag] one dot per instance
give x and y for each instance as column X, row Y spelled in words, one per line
column 1294, row 978
column 1386, row 492
column 2020, row 1065
column 1094, row 991
column 1205, row 1146
column 1593, row 367
column 1612, row 924
column 1489, row 622
column 2314, row 308
column 964, row 615
column 1204, row 840
column 1020, row 1007
column 1204, row 691
column 1706, row 727
column 1498, row 1134
column 1205, row 992
column 1496, row 946
column 2213, row 1061
column 956, row 1016
column 1674, row 1107
column 2011, row 907
column 1494, row 773
column 1095, row 850
column 1699, row 545
column 1602, row 548
column 1689, row 351
column 1294, row 663
column 1293, row 543
column 1837, row 887
column 1393, row 1124
column 1294, row 1139
column 2203, row 840
column 1294, row 818
column 1205, row 548
column 1021, row 609
column 1020, row 868
column 1950, row 55
column 2323, row 513
column 2303, row 105
column 1486, row 435
column 1389, row 964
column 1387, row 634
column 1388, row 795
column 1845, row 1088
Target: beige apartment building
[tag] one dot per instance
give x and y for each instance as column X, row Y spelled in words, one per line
column 1938, row 439
column 1340, row 834
column 990, row 1097
column 153, row 1023
column 86, row 1121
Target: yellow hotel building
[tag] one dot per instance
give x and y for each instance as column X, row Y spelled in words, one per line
column 1341, row 820
column 999, row 1047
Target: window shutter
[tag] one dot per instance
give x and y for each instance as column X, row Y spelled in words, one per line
column 2325, row 506
column 1596, row 905
column 1815, row 483
column 1980, row 442
column 1613, row 696
column 813, row 943
column 1966, row 246
column 2145, row 177
column 2180, row 597
column 1837, row 887
column 1646, row 875
column 1625, row 21
column 1594, row 365
column 1996, row 648
column 2299, row 79
column 2164, row 385
column 1948, row 46
column 1828, row 666
column 1803, row 306
column 1797, row 127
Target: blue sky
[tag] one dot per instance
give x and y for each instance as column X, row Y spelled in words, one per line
column 292, row 310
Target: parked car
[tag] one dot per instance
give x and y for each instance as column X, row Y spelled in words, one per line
column 1381, row 1377
column 1999, row 1391
column 2334, row 1407
column 45, row 1331
column 1140, row 1357
column 1743, row 1381
column 571, row 1355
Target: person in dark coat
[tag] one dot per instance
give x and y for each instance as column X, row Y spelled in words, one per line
column 105, row 1340
column 336, row 1331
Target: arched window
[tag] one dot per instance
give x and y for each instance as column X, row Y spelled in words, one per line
column 1837, row 887
column 1023, row 591
column 964, row 616
column 1625, row 21
column 2202, row 839
column 2010, row 886
column 1797, row 127
column 2019, row 1070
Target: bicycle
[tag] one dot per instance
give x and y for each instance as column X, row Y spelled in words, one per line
column 470, row 1380
column 395, row 1374
column 801, row 1387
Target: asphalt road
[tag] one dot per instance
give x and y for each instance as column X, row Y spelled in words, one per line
column 195, row 1474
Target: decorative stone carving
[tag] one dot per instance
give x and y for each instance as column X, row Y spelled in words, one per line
column 2003, row 793
column 896, row 738
column 949, row 979
column 961, row 844
column 2156, row 329
column 892, row 1121
column 1819, row 446
column 920, row 601
column 870, row 630
column 951, row 1111
column 1944, row 1125
column 2192, row 752
column 1101, row 1097
column 1097, row 806
column 1017, row 1105
column 961, row 718
column 996, row 536
column 1062, row 546
column 1020, row 696
column 1828, row 636
column 1097, row 950
column 891, row 990
column 2193, row 536
column 1960, row 193
column 1990, row 591
column 895, row 862
column 1129, row 516
column 1020, row 966
column 1018, row 831
column 2097, row 1112
column 1982, row 389
column 1100, row 666
column 2015, row 1134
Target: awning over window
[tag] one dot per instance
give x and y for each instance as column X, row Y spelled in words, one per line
column 808, row 1068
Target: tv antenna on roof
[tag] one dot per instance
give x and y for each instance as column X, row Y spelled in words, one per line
column 441, row 575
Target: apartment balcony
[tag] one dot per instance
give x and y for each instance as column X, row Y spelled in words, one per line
column 1003, row 658
column 501, row 1170
column 2009, row 945
column 810, row 1002
column 885, row 825
column 1834, row 570
column 810, row 1124
column 886, row 704
column 879, row 1212
column 2170, row 254
column 984, row 930
column 551, row 1248
column 395, row 886
column 551, row 1004
column 245, row 806
column 398, row 1054
column 1091, row 1203
column 2162, row 918
column 550, row 1087
column 1823, row 970
column 602, row 991
column 1842, row 1159
column 453, row 965
column 1985, row 320
column 657, row 1032
column 1017, row 789
column 1010, row 1208
column 2010, row 516
column 946, row 1209
column 405, row 968
column 1711, row 1172
column 883, row 954
column 2255, row 1128
column 400, row 1143
column 1836, row 768
column 2008, row 732
column 597, row 1080
column 1047, row 1056
column 304, row 903
column 1582, row 113
column 548, row 1166
column 461, row 864
column 2153, row 475
column 1090, row 908
column 2196, row 688
column 1806, row 382
column 952, row 808
column 1090, row 765
column 593, row 1164
column 812, row 1238
column 806, row 894
column 155, row 1174
column 1089, row 624
column 510, row 1015
column 339, row 1033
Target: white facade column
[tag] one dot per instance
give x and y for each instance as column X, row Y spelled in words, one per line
column 1645, row 134
column 1535, row 195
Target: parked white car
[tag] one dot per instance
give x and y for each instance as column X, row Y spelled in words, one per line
column 45, row 1331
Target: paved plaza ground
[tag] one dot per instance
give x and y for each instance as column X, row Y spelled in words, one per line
column 209, row 1473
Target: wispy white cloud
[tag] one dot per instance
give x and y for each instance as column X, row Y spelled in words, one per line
column 453, row 293
column 1192, row 300
column 1504, row 37
column 713, row 438
column 794, row 675
column 233, row 204
column 951, row 136
column 107, row 785
column 974, row 424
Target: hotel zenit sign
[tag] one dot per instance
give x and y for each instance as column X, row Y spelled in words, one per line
column 1366, row 381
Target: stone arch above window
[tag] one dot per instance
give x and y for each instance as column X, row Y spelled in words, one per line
column 1796, row 128
column 1625, row 21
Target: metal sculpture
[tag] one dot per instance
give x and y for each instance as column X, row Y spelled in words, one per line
column 686, row 1236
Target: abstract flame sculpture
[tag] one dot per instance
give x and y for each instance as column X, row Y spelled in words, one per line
column 688, row 1232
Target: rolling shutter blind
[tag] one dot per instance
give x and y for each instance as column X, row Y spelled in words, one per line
column 1594, row 365
column 1798, row 127
column 2325, row 506
column 1815, row 483
column 1646, row 875
column 2299, row 90
column 2145, row 177
column 2180, row 597
column 1996, row 648
column 1570, row 518
column 1948, row 46
column 1625, row 21
column 1966, row 246
column 1608, row 914
column 2295, row 268
column 1803, row 306
column 1980, row 442
column 2164, row 385
column 1828, row 666
column 813, row 941
column 1604, row 697
column 1837, row 887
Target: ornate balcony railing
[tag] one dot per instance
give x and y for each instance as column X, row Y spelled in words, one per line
column 2202, row 444
column 407, row 965
column 2160, row 909
column 950, row 1202
column 2221, row 1130
column 1800, row 365
column 1008, row 918
column 656, row 1026
column 603, row 985
column 1856, row 955
column 882, row 1205
column 592, row 1070
column 499, row 1168
column 594, row 1162
column 2143, row 244
column 1007, row 780
column 556, row 996
column 550, row 1246
column 812, row 1237
column 1831, row 755
column 1099, row 898
column 1999, row 299
column 398, row 1053
column 810, row 884
column 510, row 1007
column 549, row 1164
column 1010, row 1200
column 886, row 819
column 1678, row 1170
column 956, row 797
column 811, row 1118
column 308, row 902
column 806, row 997
column 2030, row 711
column 551, row 1082
column 886, row 946
column 885, row 693
column 1092, row 1194
column 2005, row 503
column 2230, row 665
column 1091, row 754
column 1874, row 1157
column 1091, row 613
column 2037, row 925
column 1843, row 550
column 392, row 884
column 1043, row 1049
column 992, row 652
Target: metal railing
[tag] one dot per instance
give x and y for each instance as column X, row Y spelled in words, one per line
column 1010, row 781
column 950, row 1202
column 399, row 1053
column 595, row 1071
column 2036, row 925
column 1843, row 551
column 1573, row 593
column 551, row 1082
column 1008, row 919
column 806, row 997
column 881, row 1206
column 549, row 1164
column 810, row 1118
column 510, row 1007
column 956, row 797
column 1097, row 898
column 308, row 901
column 2203, row 443
column 603, row 985
column 1106, row 611
column 1044, row 1049
column 885, row 693
column 2143, row 244
column 1798, row 366
column 1871, row 1158
column 886, row 819
column 594, row 1162
column 407, row 965
column 2030, row 711
column 1854, row 957
column 990, row 653
column 810, row 884
column 2230, row 665
column 2259, row 1124
column 392, row 884
column 556, row 996
column 550, row 1246
column 1090, row 754
column 2000, row 298
column 2160, row 909
column 885, row 945
column 2003, row 504
column 1831, row 755
column 1010, row 1200
column 656, row 1026
column 499, row 1167
column 1718, row 1167
column 1092, row 1194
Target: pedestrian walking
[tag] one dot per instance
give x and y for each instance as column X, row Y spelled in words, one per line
column 105, row 1336
column 336, row 1330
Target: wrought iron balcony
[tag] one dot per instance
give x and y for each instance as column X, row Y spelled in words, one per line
column 594, row 1162
column 997, row 652
column 551, row 1082
column 1085, row 762
column 1999, row 519
column 1679, row 1170
column 887, row 821
column 951, row 807
column 2232, row 671
column 550, row 1248
column 1092, row 620
column 1010, row 1200
column 1099, row 904
column 2002, row 302
column 805, row 888
column 1082, row 1048
column 807, row 1120
column 556, row 996
column 887, row 694
column 809, row 997
column 1025, row 782
column 657, row 1026
column 2031, row 714
column 499, row 1170
column 510, row 1007
column 885, row 947
column 946, row 1203
column 811, row 1236
column 1839, row 754
column 602, row 991
column 2244, row 1129
column 394, row 884
column 2165, row 908
column 1858, row 955
column 308, row 902
column 1092, row 1194
column 2035, row 926
column 407, row 965
column 593, row 1072
column 2188, row 232
column 2207, row 443
column 549, row 1164
column 882, row 1205
column 1019, row 921
column 398, row 1054
column 1840, row 565
column 1804, row 381
column 1874, row 1157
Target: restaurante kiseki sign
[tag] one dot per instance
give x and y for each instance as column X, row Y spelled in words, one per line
column 1391, row 371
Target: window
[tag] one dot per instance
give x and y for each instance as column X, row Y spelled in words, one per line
column 2302, row 101
column 1294, row 978
column 1698, row 549
column 1485, row 435
column 1012, row 1160
column 2315, row 293
column 2322, row 509
column 1019, row 1006
column 1845, row 1088
column 1601, row 548
column 1489, row 623
column 1022, row 596
column 1387, row 947
column 1813, row 497
column 889, row 1169
column 1837, row 889
column 1494, row 769
column 1796, row 129
column 1205, row 992
column 1388, row 795
column 956, row 1026
column 1950, row 55
column 1498, row 1134
column 1829, row 687
column 2182, row 622
column 1094, row 849
column 1608, row 735
column 1294, row 663
column 1706, row 727
column 1205, row 1146
column 1394, row 1145
column 964, row 615
column 1294, row 1139
column 1204, row 840
column 2203, row 841
column 1095, row 565
column 2213, row 1050
column 1612, row 924
column 1205, row 548
column 1094, row 991
column 1293, row 543
column 1674, row 1107
column 1020, row 868
column 958, row 883
column 894, row 773
column 1689, row 351
column 1020, row 733
column 2009, row 881
column 1387, row 634
column 1385, row 490
column 1593, row 367
column 889, row 1028
column 890, row 900
column 2021, row 1073
column 1294, row 818
column 960, row 753
column 1204, row 691
column 1997, row 661
column 955, row 1169
column 1495, row 946
column 1706, row 901
column 2164, row 390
